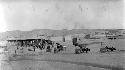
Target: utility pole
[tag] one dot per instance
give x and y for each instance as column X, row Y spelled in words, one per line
column 64, row 34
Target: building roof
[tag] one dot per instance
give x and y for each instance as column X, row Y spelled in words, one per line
column 28, row 38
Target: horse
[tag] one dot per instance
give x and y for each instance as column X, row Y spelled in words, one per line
column 58, row 48
column 85, row 50
column 107, row 49
column 111, row 48
column 81, row 50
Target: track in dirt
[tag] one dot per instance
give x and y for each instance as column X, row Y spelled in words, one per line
column 78, row 63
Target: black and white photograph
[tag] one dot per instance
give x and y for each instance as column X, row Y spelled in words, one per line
column 62, row 35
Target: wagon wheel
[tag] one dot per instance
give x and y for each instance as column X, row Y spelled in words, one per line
column 55, row 50
column 77, row 51
column 103, row 50
column 108, row 50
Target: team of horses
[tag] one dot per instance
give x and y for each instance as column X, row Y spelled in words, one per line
column 82, row 48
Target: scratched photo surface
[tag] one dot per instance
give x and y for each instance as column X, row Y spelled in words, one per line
column 62, row 35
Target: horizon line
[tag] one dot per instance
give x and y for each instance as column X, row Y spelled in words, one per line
column 63, row 29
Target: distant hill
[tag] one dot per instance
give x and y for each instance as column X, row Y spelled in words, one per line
column 43, row 32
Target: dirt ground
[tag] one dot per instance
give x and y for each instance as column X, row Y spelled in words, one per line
column 65, row 61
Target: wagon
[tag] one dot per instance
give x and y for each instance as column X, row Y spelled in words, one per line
column 107, row 49
column 79, row 50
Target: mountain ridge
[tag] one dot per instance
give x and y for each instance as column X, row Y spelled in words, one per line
column 47, row 32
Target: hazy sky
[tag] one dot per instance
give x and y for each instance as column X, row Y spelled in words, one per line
column 71, row 14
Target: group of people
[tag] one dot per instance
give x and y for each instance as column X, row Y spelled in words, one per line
column 35, row 45
column 48, row 45
column 55, row 47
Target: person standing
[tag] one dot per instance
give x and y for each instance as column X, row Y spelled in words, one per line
column 64, row 47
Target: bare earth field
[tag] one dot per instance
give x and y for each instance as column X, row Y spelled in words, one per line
column 65, row 61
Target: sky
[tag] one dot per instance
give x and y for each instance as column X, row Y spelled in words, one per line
column 27, row 15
